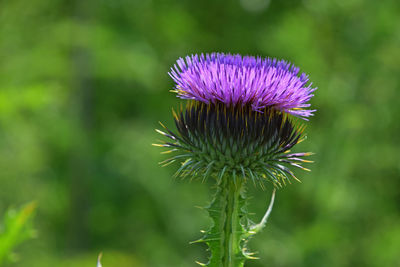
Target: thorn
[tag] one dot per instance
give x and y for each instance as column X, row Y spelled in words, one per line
column 160, row 132
column 302, row 139
column 201, row 208
column 204, row 240
column 175, row 115
column 297, row 179
column 252, row 258
column 169, row 151
column 162, row 125
column 306, row 161
column 168, row 163
column 221, row 174
column 159, row 145
column 197, row 241
column 252, row 177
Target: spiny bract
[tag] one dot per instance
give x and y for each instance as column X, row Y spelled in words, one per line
column 213, row 140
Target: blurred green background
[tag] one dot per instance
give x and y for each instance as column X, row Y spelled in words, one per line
column 83, row 85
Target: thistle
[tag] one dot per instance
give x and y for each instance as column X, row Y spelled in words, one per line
column 242, row 117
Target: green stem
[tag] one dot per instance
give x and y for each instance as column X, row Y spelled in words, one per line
column 231, row 230
column 225, row 237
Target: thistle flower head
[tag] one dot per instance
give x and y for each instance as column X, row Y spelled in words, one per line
column 237, row 121
column 237, row 81
column 236, row 127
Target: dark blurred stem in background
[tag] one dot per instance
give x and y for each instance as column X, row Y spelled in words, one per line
column 82, row 152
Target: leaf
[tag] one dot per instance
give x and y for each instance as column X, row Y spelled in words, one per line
column 17, row 228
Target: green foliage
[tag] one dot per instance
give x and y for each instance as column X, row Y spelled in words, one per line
column 83, row 83
column 15, row 229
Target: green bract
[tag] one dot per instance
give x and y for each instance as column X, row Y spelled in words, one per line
column 213, row 140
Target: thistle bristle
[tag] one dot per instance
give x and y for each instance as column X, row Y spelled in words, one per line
column 247, row 144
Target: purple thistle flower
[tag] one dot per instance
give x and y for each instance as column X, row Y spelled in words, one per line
column 236, row 80
column 235, row 129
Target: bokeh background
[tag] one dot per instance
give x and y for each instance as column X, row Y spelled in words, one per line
column 83, row 85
